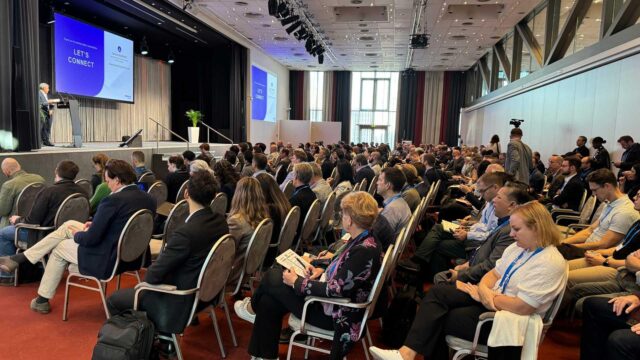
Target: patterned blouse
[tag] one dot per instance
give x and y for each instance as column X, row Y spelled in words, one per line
column 350, row 275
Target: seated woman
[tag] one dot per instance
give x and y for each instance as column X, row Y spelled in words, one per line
column 527, row 278
column 342, row 185
column 99, row 162
column 282, row 292
column 228, row 178
column 278, row 209
column 247, row 210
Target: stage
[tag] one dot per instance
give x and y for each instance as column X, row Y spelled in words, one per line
column 43, row 161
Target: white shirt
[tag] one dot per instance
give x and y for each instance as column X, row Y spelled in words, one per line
column 539, row 281
column 617, row 216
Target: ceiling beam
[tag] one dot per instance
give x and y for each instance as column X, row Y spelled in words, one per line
column 627, row 16
column 530, row 41
column 504, row 60
column 484, row 70
column 516, row 57
column 569, row 29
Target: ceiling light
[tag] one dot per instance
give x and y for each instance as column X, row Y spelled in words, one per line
column 144, row 48
column 171, row 57
column 320, row 59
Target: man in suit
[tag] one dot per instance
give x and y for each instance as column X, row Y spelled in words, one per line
column 586, row 168
column 303, row 196
column 45, row 207
column 89, row 248
column 519, row 161
column 180, row 262
column 554, row 170
column 456, row 163
column 433, row 174
column 630, row 156
column 581, row 148
column 569, row 195
column 363, row 170
column 45, row 114
column 18, row 179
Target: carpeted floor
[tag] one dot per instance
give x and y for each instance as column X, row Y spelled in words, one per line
column 28, row 335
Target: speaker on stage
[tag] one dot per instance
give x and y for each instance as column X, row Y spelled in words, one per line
column 134, row 140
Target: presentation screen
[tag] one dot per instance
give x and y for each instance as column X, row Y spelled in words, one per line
column 92, row 62
column 264, row 91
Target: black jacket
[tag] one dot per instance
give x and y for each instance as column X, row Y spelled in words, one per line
column 571, row 195
column 174, row 181
column 582, row 150
column 98, row 245
column 536, row 181
column 365, row 173
column 327, row 167
column 48, row 201
column 601, row 159
column 303, row 197
column 180, row 264
column 631, row 157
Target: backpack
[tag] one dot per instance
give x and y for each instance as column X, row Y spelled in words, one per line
column 397, row 321
column 126, row 336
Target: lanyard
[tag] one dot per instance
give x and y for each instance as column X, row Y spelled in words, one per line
column 475, row 251
column 298, row 189
column 606, row 211
column 392, row 199
column 511, row 270
column 334, row 264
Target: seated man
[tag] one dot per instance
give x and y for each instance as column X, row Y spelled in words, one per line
column 181, row 260
column 395, row 208
column 204, row 153
column 483, row 258
column 409, row 193
column 488, row 185
column 569, row 195
column 260, row 164
column 89, row 248
column 45, row 207
column 363, row 170
column 319, row 185
column 302, row 196
column 137, row 160
column 18, row 180
column 188, row 157
column 614, row 222
column 299, row 156
column 178, row 174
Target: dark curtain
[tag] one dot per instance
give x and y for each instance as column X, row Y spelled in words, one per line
column 237, row 104
column 19, row 73
column 407, row 105
column 453, row 101
column 296, row 95
column 417, row 130
column 342, row 104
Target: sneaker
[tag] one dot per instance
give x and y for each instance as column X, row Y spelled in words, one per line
column 42, row 308
column 241, row 308
column 381, row 354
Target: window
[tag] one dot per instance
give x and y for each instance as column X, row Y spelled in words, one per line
column 374, row 98
column 316, row 95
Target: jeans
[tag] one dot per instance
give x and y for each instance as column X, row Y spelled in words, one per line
column 7, row 247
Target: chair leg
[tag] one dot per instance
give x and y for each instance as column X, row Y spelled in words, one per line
column 293, row 336
column 118, row 282
column 365, row 348
column 15, row 275
column 369, row 336
column 103, row 293
column 306, row 351
column 214, row 320
column 174, row 338
column 137, row 273
column 66, row 299
column 226, row 313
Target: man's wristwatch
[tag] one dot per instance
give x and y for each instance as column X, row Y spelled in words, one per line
column 606, row 262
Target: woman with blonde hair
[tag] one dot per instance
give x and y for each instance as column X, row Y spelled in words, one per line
column 350, row 274
column 526, row 280
column 248, row 209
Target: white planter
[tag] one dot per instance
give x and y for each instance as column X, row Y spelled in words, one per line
column 194, row 135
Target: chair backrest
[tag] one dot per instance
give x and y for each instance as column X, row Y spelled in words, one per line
column 26, row 198
column 373, row 186
column 86, row 186
column 288, row 189
column 74, row 207
column 177, row 217
column 288, row 231
column 434, row 193
column 311, row 221
column 583, row 199
column 256, row 250
column 134, row 238
column 587, row 209
column 180, row 194
column 219, row 204
column 327, row 211
column 378, row 284
column 334, row 172
column 397, row 247
column 147, row 178
column 238, row 166
column 159, row 192
column 548, row 317
column 362, row 186
column 216, row 269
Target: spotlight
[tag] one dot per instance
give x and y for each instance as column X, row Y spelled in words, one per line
column 283, row 10
column 293, row 27
column 289, row 20
column 320, row 59
column 52, row 16
column 315, row 50
column 171, row 57
column 302, row 33
column 186, row 5
column 144, row 48
column 273, row 7
column 310, row 43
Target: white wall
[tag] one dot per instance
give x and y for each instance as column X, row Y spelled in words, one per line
column 600, row 102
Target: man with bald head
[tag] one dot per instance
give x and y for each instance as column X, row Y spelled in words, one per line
column 18, row 180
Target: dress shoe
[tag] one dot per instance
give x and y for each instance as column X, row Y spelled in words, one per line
column 286, row 333
column 409, row 265
column 42, row 308
column 8, row 265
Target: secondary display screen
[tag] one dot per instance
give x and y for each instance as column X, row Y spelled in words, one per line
column 264, row 91
column 92, row 62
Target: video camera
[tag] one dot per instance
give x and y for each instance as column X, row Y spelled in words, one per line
column 516, row 122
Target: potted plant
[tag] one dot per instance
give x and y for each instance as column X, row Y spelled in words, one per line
column 194, row 117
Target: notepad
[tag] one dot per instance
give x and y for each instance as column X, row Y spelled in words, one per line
column 294, row 262
column 449, row 226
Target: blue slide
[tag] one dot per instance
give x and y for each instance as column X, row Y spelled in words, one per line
column 264, row 91
column 92, row 62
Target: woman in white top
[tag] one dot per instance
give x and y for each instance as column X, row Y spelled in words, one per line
column 494, row 144
column 527, row 278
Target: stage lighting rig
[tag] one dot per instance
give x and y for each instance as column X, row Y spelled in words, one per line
column 187, row 5
column 419, row 41
column 273, row 7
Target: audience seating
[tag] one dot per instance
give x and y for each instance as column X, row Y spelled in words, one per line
column 569, row 216
column 373, row 186
column 325, row 216
column 309, row 226
column 158, row 190
column 181, row 191
column 219, row 204
column 177, row 217
column 211, row 282
column 74, row 207
column 133, row 242
column 26, row 198
column 288, row 230
column 86, row 186
column 288, row 189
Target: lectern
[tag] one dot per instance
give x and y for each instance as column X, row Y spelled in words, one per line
column 76, row 126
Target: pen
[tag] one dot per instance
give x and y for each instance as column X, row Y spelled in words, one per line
column 302, row 264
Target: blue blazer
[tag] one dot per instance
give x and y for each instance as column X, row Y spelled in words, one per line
column 99, row 244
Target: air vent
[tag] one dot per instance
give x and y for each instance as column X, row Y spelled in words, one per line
column 496, row 37
column 298, row 54
column 364, row 30
column 362, row 25
column 253, row 15
column 458, row 37
column 373, row 66
column 361, row 13
column 280, row 38
column 266, row 25
column 473, row 11
column 371, row 54
column 356, row 2
column 366, row 38
column 447, row 54
column 454, row 49
column 241, row 3
column 467, row 23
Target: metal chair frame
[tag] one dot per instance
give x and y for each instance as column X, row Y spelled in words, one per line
column 181, row 190
column 219, row 204
column 86, row 185
column 310, row 224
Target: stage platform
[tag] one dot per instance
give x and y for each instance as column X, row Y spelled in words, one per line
column 43, row 161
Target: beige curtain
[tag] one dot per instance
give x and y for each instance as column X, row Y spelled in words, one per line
column 104, row 121
column 327, row 100
column 306, row 110
column 432, row 113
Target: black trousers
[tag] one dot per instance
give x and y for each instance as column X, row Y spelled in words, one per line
column 436, row 250
column 271, row 302
column 605, row 335
column 447, row 311
column 45, row 130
